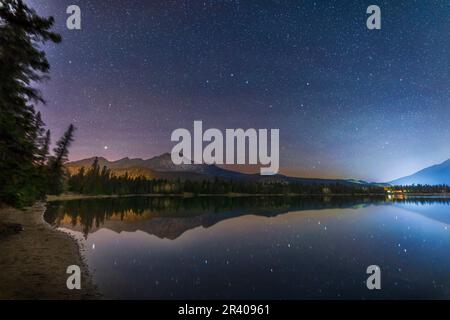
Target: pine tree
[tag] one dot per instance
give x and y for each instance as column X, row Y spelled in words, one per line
column 57, row 171
column 45, row 147
column 22, row 31
column 42, row 140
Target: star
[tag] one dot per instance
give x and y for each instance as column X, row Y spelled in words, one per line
column 173, row 69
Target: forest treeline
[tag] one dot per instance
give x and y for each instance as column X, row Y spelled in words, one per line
column 96, row 180
column 420, row 188
column 27, row 169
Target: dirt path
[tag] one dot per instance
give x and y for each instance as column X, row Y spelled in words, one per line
column 33, row 262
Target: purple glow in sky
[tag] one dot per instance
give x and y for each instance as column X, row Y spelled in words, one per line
column 349, row 102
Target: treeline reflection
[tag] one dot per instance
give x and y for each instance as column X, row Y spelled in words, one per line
column 182, row 213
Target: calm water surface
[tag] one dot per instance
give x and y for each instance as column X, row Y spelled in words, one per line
column 257, row 248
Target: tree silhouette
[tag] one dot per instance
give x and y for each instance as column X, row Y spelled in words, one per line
column 22, row 31
column 56, row 163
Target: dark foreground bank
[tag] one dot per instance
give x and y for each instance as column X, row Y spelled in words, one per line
column 34, row 258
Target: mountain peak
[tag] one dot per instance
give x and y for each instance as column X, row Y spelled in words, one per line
column 434, row 175
column 165, row 155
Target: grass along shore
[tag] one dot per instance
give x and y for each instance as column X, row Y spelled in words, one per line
column 34, row 258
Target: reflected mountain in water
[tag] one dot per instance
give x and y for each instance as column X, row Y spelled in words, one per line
column 303, row 249
column 170, row 217
column 434, row 208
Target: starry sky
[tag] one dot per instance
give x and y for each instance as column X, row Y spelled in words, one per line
column 349, row 102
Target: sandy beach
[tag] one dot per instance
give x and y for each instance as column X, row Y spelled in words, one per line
column 33, row 261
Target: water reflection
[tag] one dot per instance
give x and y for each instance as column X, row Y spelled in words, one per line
column 262, row 247
column 169, row 217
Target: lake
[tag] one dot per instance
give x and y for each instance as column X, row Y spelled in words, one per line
column 261, row 247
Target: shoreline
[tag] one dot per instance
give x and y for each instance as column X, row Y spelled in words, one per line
column 72, row 196
column 67, row 197
column 34, row 261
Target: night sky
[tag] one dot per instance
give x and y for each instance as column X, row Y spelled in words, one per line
column 349, row 102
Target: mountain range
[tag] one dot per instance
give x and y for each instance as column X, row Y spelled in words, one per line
column 162, row 167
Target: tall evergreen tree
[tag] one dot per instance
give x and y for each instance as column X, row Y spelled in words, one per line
column 22, row 31
column 42, row 140
column 45, row 149
column 57, row 171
